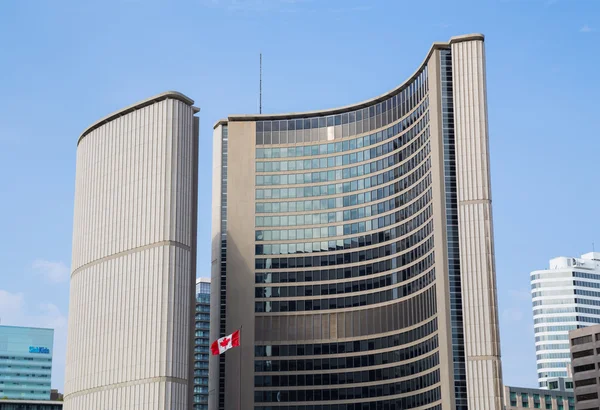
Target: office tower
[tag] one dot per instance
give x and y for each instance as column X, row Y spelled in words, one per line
column 202, row 343
column 557, row 396
column 585, row 356
column 134, row 259
column 565, row 297
column 25, row 362
column 354, row 248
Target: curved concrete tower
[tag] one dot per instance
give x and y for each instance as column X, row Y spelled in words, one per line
column 354, row 247
column 134, row 256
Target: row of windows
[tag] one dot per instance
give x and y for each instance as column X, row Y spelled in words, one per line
column 358, row 242
column 544, row 356
column 568, row 310
column 552, row 293
column 553, row 302
column 586, row 284
column 332, row 203
column 587, row 302
column 550, row 275
column 329, row 288
column 349, row 393
column 554, row 328
column 317, row 129
column 553, row 365
column 401, row 145
column 554, row 284
column 348, row 301
column 335, row 363
column 552, row 374
column 403, row 403
column 591, row 293
column 356, row 346
column 333, row 379
column 583, row 353
column 556, row 319
column 588, row 319
column 545, row 338
column 346, row 243
column 357, row 213
column 346, row 258
column 343, row 273
column 351, row 186
column 584, row 368
column 557, row 346
column 586, row 275
column 343, row 125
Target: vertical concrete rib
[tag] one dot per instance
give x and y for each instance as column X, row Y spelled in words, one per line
column 132, row 283
column 482, row 341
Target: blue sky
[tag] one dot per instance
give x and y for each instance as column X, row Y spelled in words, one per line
column 65, row 64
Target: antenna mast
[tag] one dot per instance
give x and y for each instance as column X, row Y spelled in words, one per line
column 260, row 87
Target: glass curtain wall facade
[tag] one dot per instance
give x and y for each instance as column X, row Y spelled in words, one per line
column 565, row 297
column 25, row 362
column 342, row 260
column 201, row 344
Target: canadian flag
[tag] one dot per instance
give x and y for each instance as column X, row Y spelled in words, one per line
column 225, row 343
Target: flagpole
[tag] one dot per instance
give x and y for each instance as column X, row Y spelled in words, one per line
column 240, row 392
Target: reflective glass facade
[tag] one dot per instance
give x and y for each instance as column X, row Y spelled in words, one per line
column 343, row 255
column 25, row 362
column 201, row 344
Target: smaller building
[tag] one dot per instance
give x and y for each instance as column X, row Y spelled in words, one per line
column 30, row 405
column 558, row 396
column 201, row 344
column 25, row 363
column 585, row 355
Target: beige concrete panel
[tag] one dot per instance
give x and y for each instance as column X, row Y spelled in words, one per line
column 240, row 262
column 133, row 275
column 482, row 341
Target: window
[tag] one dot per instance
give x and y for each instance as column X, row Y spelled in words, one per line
column 588, row 396
column 568, row 385
column 585, row 382
column 584, row 368
column 513, row 399
column 581, row 340
column 524, row 399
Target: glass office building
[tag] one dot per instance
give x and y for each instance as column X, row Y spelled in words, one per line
column 353, row 247
column 565, row 297
column 202, row 344
column 25, row 362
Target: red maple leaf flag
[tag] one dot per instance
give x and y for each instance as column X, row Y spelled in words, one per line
column 225, row 343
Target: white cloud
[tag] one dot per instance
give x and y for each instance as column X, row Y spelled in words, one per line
column 586, row 29
column 53, row 271
column 15, row 311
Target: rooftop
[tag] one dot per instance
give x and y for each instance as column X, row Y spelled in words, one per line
column 140, row 104
column 363, row 104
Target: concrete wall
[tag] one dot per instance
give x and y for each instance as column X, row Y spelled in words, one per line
column 132, row 283
column 478, row 270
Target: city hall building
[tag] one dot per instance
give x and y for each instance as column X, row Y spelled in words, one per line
column 354, row 249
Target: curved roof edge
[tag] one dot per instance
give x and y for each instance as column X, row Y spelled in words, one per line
column 363, row 104
column 222, row 121
column 140, row 104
